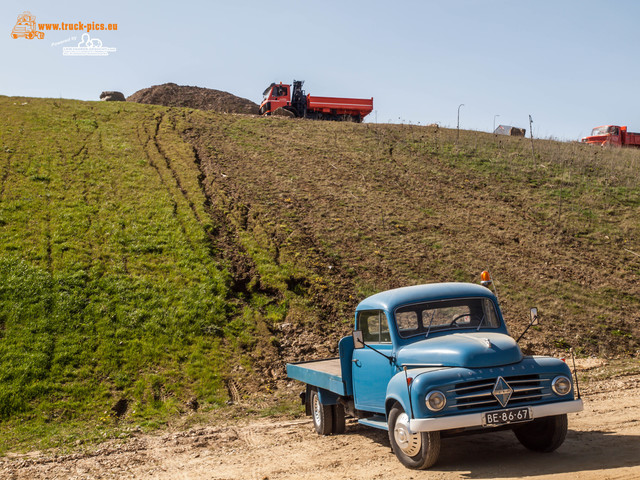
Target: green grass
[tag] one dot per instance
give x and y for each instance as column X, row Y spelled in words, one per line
column 107, row 286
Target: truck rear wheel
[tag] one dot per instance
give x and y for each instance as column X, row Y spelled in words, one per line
column 322, row 415
column 338, row 424
column 417, row 450
column 544, row 434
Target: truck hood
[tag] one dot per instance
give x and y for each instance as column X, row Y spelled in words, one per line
column 470, row 350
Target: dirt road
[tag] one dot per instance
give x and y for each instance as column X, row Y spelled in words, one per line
column 603, row 443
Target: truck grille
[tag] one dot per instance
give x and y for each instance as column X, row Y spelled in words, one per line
column 479, row 393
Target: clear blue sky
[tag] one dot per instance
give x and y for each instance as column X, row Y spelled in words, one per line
column 572, row 65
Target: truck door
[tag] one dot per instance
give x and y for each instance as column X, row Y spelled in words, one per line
column 615, row 138
column 371, row 371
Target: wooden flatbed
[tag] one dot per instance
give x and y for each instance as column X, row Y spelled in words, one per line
column 325, row 374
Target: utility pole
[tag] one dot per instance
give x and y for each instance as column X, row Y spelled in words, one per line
column 458, row 128
column 533, row 153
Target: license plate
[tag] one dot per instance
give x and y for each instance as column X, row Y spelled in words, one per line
column 503, row 417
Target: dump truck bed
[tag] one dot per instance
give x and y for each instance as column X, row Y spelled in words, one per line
column 325, row 374
column 340, row 106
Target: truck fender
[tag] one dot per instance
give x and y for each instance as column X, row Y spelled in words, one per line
column 327, row 398
column 398, row 391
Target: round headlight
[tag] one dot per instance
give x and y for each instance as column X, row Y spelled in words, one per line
column 561, row 385
column 435, row 401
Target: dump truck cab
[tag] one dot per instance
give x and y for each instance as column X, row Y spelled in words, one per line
column 605, row 135
column 276, row 95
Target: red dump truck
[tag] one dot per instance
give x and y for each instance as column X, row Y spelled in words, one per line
column 613, row 135
column 294, row 100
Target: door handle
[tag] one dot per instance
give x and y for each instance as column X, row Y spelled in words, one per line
column 357, row 362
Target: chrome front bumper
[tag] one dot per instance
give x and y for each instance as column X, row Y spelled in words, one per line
column 476, row 419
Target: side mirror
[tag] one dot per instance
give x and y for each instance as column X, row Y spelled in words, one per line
column 358, row 340
column 534, row 316
column 533, row 313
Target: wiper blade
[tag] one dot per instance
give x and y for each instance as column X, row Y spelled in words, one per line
column 481, row 322
column 430, row 322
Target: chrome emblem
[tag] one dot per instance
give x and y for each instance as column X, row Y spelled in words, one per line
column 487, row 342
column 502, row 391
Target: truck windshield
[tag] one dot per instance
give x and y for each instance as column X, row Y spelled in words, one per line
column 602, row 130
column 463, row 313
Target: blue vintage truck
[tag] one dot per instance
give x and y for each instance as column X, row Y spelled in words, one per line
column 432, row 360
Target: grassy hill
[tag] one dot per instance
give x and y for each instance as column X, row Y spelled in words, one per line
column 155, row 260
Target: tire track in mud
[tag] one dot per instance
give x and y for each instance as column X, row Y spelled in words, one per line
column 232, row 218
column 160, row 161
column 173, row 172
column 238, row 211
column 246, row 282
column 153, row 150
column 229, row 207
column 149, row 142
column 225, row 247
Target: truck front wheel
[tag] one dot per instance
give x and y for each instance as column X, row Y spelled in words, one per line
column 544, row 434
column 417, row 450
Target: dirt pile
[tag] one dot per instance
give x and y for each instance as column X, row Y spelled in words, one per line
column 172, row 95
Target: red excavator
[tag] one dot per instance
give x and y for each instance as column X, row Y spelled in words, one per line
column 281, row 95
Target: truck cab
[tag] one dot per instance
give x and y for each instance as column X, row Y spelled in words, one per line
column 275, row 96
column 605, row 135
column 431, row 360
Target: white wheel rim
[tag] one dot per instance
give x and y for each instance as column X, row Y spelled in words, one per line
column 316, row 410
column 409, row 443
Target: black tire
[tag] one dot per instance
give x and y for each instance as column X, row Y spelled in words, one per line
column 338, row 425
column 544, row 434
column 417, row 450
column 293, row 110
column 321, row 414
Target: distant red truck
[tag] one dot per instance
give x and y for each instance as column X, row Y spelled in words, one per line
column 613, row 135
column 280, row 95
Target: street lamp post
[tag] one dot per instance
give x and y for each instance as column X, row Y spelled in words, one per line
column 494, row 123
column 458, row 128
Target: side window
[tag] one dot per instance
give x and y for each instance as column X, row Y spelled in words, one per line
column 374, row 326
